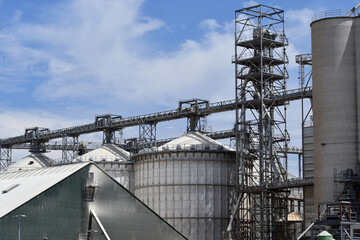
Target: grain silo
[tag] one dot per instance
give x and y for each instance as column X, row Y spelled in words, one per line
column 334, row 101
column 188, row 182
column 114, row 161
column 32, row 161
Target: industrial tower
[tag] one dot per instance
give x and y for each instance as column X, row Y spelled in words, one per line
column 260, row 67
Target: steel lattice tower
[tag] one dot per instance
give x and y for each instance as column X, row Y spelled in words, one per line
column 260, row 67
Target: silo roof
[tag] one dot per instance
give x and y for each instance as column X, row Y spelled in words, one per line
column 107, row 152
column 324, row 234
column 33, row 161
column 194, row 139
column 294, row 217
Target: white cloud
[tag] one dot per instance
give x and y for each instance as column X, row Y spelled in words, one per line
column 250, row 3
column 209, row 24
column 16, row 17
column 292, row 51
column 299, row 21
column 97, row 51
column 14, row 122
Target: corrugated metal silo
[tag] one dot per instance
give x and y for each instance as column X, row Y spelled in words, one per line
column 334, row 102
column 188, row 182
column 115, row 161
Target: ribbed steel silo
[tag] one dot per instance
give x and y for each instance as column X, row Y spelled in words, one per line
column 114, row 161
column 334, row 102
column 187, row 182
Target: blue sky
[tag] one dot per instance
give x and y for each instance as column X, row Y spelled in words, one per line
column 63, row 62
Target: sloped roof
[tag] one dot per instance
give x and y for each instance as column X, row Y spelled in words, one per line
column 107, row 152
column 194, row 140
column 18, row 187
column 324, row 234
column 33, row 161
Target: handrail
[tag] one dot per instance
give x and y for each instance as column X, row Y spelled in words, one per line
column 332, row 14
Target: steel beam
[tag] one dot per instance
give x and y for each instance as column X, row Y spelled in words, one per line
column 280, row 98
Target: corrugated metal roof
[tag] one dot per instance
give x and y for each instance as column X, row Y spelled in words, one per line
column 33, row 161
column 195, row 139
column 16, row 188
column 107, row 152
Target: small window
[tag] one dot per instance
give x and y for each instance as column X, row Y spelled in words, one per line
column 89, row 194
column 91, row 177
column 31, row 163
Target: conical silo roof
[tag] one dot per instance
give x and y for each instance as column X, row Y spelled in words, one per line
column 194, row 141
column 32, row 161
column 107, row 152
column 324, row 234
column 294, row 217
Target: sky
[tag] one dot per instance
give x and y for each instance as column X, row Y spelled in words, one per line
column 64, row 61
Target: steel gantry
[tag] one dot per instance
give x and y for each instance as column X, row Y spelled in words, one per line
column 260, row 68
column 223, row 106
column 59, row 145
column 117, row 123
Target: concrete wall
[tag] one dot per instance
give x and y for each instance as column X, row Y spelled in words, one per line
column 334, row 102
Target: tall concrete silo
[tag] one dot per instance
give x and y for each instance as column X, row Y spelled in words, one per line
column 335, row 100
column 187, row 182
column 357, row 47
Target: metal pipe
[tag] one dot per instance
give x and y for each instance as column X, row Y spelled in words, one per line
column 306, row 230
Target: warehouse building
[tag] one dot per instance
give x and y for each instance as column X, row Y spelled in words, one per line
column 76, row 201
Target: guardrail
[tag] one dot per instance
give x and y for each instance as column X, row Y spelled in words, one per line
column 292, row 183
column 333, row 13
column 186, row 147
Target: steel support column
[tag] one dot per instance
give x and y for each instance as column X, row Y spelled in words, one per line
column 71, row 147
column 305, row 81
column 147, row 135
column 5, row 157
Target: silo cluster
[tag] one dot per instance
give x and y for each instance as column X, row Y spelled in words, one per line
column 187, row 182
column 336, row 101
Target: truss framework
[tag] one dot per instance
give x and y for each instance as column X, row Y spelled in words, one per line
column 216, row 107
column 71, row 148
column 260, row 67
column 5, row 157
column 147, row 135
column 105, row 121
